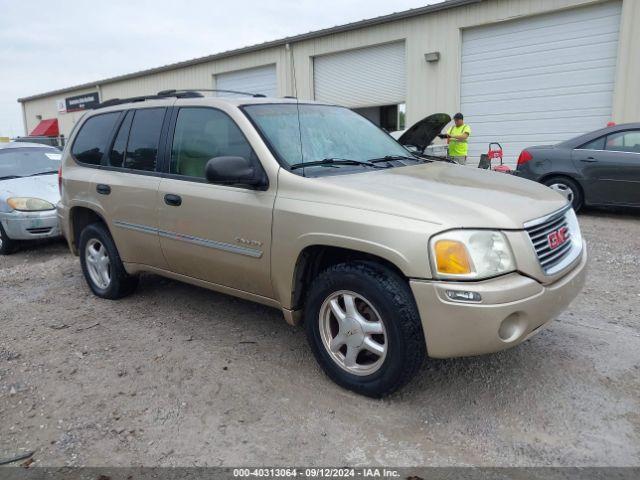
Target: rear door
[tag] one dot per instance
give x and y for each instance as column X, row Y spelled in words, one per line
column 217, row 233
column 126, row 186
column 611, row 168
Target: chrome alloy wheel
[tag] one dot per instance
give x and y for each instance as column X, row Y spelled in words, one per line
column 353, row 333
column 98, row 263
column 564, row 190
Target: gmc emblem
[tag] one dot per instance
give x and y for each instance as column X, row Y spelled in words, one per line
column 558, row 237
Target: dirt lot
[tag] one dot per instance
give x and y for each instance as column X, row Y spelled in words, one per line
column 177, row 375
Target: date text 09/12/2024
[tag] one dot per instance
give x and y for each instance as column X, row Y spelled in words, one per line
column 316, row 472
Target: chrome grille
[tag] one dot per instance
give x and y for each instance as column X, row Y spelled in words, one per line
column 539, row 235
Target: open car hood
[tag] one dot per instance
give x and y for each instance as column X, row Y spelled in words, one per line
column 422, row 133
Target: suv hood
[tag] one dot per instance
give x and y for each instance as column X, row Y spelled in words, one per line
column 422, row 133
column 450, row 195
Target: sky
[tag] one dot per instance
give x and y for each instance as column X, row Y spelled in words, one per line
column 48, row 45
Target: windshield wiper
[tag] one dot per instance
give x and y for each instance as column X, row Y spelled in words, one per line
column 391, row 158
column 49, row 172
column 333, row 161
column 9, row 177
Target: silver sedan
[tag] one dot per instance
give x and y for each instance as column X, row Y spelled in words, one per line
column 28, row 193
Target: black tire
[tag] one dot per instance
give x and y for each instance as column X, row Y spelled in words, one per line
column 7, row 246
column 121, row 283
column 570, row 186
column 390, row 295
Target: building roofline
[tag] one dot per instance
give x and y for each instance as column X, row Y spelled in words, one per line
column 414, row 12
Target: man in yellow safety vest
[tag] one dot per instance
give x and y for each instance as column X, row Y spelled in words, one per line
column 457, row 138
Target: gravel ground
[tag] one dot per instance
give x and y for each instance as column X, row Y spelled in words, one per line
column 179, row 376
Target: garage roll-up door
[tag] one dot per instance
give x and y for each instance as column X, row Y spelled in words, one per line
column 539, row 80
column 252, row 80
column 362, row 78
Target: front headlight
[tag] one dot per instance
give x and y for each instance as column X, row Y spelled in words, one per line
column 471, row 254
column 27, row 204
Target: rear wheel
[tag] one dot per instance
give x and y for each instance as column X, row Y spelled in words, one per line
column 101, row 264
column 364, row 329
column 7, row 246
column 568, row 188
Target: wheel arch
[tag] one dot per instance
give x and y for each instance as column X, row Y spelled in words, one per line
column 574, row 178
column 313, row 259
column 79, row 217
column 549, row 175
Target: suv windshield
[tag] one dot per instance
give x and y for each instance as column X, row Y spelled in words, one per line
column 24, row 162
column 327, row 135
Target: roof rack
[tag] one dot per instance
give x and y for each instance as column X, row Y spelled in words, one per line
column 159, row 96
column 191, row 93
column 178, row 93
column 119, row 101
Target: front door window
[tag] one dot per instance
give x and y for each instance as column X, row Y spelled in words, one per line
column 628, row 141
column 202, row 134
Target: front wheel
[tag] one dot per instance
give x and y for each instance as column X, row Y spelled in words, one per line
column 7, row 246
column 568, row 188
column 101, row 265
column 364, row 329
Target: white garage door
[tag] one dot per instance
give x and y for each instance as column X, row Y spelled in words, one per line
column 362, row 78
column 539, row 80
column 252, row 80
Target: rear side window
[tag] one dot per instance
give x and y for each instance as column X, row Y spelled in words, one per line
column 144, row 136
column 202, row 134
column 93, row 138
column 597, row 144
column 116, row 155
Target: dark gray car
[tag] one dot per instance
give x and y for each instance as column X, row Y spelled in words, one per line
column 599, row 168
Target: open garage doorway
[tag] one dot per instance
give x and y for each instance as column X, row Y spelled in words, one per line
column 389, row 117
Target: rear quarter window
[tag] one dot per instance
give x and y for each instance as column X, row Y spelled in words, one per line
column 116, row 155
column 93, row 138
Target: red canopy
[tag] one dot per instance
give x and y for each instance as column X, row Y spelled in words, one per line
column 46, row 128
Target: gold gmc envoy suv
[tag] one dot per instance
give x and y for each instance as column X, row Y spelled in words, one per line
column 385, row 255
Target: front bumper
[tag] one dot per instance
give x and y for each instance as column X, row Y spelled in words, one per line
column 513, row 308
column 30, row 225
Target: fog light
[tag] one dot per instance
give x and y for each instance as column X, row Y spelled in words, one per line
column 461, row 296
column 512, row 328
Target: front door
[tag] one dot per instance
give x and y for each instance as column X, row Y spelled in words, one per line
column 611, row 168
column 220, row 234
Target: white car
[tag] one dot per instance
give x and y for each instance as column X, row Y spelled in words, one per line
column 28, row 193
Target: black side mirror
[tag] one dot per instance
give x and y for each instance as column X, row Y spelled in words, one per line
column 235, row 171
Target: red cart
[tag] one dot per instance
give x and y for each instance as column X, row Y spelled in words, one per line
column 495, row 152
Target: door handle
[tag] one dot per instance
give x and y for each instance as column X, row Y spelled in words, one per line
column 589, row 160
column 173, row 200
column 103, row 189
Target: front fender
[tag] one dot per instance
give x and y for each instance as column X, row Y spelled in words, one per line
column 298, row 225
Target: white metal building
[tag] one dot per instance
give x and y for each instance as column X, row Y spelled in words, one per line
column 523, row 72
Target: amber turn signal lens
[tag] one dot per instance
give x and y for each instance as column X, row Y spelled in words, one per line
column 452, row 258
